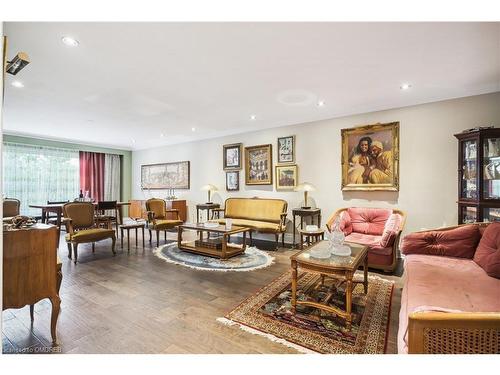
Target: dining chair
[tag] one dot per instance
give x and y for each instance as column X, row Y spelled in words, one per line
column 52, row 219
column 82, row 227
column 10, row 209
column 157, row 218
column 103, row 217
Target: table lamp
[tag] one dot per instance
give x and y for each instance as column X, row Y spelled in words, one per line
column 305, row 187
column 209, row 188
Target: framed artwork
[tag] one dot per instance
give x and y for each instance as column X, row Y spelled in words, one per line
column 259, row 165
column 286, row 177
column 232, row 156
column 286, row 149
column 165, row 175
column 370, row 157
column 233, row 181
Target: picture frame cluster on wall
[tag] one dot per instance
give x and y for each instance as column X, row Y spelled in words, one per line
column 286, row 171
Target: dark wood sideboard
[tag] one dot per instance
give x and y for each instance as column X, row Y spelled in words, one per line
column 138, row 208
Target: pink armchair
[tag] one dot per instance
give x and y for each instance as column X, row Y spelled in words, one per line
column 378, row 228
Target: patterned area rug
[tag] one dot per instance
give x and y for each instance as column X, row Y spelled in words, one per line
column 268, row 313
column 252, row 259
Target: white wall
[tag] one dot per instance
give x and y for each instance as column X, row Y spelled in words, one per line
column 428, row 160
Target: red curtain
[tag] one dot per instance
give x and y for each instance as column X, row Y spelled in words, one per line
column 92, row 174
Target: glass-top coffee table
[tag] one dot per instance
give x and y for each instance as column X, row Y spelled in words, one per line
column 342, row 267
column 216, row 245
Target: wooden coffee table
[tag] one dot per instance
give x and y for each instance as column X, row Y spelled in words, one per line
column 215, row 246
column 335, row 266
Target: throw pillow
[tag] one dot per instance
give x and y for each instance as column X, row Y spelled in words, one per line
column 391, row 229
column 458, row 242
column 488, row 251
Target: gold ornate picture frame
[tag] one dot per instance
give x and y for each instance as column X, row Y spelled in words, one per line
column 286, row 176
column 259, row 165
column 370, row 157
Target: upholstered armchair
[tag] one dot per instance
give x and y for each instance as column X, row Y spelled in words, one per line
column 10, row 209
column 82, row 227
column 378, row 228
column 157, row 218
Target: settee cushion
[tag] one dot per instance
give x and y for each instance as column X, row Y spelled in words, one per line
column 260, row 226
column 256, row 209
column 444, row 284
column 368, row 220
column 90, row 235
column 488, row 251
column 458, row 242
column 345, row 223
column 391, row 229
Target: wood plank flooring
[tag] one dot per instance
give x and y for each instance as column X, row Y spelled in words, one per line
column 137, row 303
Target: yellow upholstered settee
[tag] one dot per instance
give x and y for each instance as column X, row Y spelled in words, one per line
column 259, row 214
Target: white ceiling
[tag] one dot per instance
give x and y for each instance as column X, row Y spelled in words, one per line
column 137, row 80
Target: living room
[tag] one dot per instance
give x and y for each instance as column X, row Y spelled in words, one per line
column 251, row 187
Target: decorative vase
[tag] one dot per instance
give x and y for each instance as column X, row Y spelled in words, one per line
column 337, row 239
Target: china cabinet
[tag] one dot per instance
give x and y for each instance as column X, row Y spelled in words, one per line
column 478, row 175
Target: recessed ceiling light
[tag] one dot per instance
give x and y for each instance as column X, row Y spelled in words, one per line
column 253, row 117
column 17, row 84
column 405, row 86
column 162, row 135
column 133, row 140
column 193, row 129
column 321, row 103
column 69, row 41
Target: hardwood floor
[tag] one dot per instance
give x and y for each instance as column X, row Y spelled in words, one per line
column 137, row 303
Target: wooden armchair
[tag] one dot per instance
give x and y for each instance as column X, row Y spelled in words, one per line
column 157, row 218
column 82, row 227
column 31, row 269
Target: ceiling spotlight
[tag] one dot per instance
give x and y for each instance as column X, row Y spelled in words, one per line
column 193, row 129
column 133, row 140
column 69, row 41
column 17, row 84
column 17, row 63
column 162, row 135
column 253, row 117
column 405, row 86
column 321, row 103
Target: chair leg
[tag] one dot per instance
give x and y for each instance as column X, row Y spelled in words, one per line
column 157, row 238
column 150, row 236
column 69, row 249
column 75, row 252
column 93, row 247
column 113, row 239
column 32, row 312
column 276, row 235
column 58, row 279
column 283, row 239
column 251, row 240
column 165, row 235
column 56, row 307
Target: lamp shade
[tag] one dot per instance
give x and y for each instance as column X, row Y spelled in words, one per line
column 209, row 187
column 305, row 186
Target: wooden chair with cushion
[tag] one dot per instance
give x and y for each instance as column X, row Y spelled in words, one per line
column 10, row 209
column 82, row 227
column 157, row 218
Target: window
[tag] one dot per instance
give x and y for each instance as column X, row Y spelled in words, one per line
column 37, row 174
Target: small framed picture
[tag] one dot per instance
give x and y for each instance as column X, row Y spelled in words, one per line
column 233, row 181
column 286, row 149
column 286, row 177
column 232, row 156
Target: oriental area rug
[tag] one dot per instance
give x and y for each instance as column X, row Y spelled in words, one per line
column 252, row 259
column 268, row 313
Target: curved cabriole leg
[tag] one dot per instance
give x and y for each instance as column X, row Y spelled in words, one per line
column 56, row 307
column 113, row 239
column 69, row 249
column 157, row 238
column 75, row 252
column 32, row 313
column 150, row 235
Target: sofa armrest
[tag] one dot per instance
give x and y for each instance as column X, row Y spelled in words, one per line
column 453, row 333
column 283, row 221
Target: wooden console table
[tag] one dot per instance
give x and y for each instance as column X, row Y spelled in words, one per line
column 138, row 209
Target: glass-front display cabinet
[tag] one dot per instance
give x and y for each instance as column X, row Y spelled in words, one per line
column 478, row 175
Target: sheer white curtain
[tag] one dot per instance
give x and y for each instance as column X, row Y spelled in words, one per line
column 36, row 174
column 112, row 177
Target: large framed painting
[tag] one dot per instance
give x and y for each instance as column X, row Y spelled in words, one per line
column 370, row 157
column 259, row 165
column 233, row 180
column 165, row 175
column 232, row 156
column 286, row 177
column 286, row 149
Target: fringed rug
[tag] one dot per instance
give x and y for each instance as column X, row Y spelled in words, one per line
column 252, row 259
column 268, row 313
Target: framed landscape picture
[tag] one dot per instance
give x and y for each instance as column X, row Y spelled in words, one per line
column 232, row 156
column 165, row 175
column 370, row 157
column 233, row 181
column 259, row 165
column 286, row 149
column 286, row 177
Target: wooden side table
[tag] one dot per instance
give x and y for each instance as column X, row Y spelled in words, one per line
column 311, row 236
column 302, row 213
column 135, row 226
column 205, row 206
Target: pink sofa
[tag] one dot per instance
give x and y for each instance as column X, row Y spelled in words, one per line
column 378, row 228
column 445, row 292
